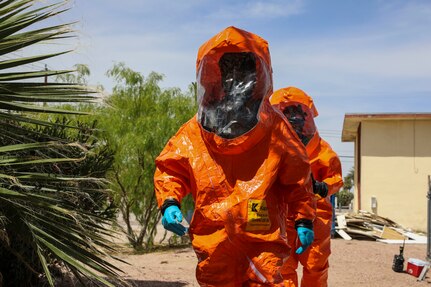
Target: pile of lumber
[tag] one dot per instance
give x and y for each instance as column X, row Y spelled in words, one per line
column 369, row 226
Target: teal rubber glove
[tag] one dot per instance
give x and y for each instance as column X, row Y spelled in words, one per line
column 172, row 219
column 306, row 236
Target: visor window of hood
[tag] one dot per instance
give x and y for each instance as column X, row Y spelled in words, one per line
column 298, row 118
column 235, row 112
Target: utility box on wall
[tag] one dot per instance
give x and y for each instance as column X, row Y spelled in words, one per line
column 374, row 204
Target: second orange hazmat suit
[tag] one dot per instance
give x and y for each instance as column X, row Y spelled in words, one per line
column 326, row 167
column 245, row 173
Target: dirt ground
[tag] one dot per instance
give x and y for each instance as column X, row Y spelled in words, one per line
column 352, row 263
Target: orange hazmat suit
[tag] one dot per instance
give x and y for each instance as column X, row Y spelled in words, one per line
column 326, row 167
column 242, row 163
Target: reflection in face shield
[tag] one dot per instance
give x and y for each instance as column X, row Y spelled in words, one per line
column 234, row 112
column 301, row 119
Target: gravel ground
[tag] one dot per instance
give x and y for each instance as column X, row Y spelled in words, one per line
column 352, row 263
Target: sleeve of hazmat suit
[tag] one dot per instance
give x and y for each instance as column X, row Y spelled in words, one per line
column 172, row 177
column 299, row 188
column 326, row 166
column 243, row 173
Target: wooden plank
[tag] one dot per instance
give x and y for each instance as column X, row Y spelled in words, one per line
column 361, row 232
column 343, row 234
column 399, row 241
column 341, row 221
column 389, row 233
column 355, row 221
column 370, row 226
column 415, row 236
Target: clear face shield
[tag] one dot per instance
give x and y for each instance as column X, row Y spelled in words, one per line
column 301, row 119
column 228, row 96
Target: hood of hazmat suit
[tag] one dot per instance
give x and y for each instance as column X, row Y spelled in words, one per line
column 299, row 110
column 242, row 163
column 282, row 97
column 233, row 80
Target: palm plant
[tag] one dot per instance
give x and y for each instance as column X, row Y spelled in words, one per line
column 53, row 200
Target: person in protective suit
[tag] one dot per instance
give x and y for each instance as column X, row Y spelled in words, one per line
column 243, row 165
column 299, row 110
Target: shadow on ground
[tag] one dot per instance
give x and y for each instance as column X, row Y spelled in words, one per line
column 127, row 282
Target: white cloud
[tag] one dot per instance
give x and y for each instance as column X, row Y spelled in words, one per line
column 379, row 56
column 410, row 60
column 146, row 6
column 246, row 10
column 271, row 9
column 407, row 15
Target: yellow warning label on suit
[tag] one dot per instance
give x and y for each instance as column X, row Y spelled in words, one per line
column 257, row 215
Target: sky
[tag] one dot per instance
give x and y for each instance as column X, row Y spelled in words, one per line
column 368, row 56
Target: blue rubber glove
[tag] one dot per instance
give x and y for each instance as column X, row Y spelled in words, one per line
column 306, row 236
column 171, row 220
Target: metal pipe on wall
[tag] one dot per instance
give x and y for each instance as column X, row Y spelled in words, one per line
column 429, row 220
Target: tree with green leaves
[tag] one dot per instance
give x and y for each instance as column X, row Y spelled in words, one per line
column 345, row 195
column 54, row 204
column 139, row 119
column 79, row 76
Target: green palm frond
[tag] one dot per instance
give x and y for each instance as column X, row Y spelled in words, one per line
column 53, row 193
column 16, row 16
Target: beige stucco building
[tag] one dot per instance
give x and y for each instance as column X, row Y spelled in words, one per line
column 392, row 165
